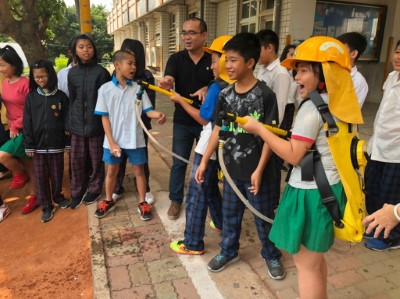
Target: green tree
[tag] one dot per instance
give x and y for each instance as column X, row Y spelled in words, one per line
column 104, row 42
column 62, row 32
column 26, row 22
column 68, row 27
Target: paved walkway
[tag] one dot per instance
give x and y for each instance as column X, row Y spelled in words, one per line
column 131, row 258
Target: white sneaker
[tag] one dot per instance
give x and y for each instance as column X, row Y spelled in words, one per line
column 4, row 211
column 116, row 196
column 149, row 198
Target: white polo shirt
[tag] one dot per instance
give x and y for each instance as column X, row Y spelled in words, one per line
column 62, row 77
column 278, row 79
column 385, row 142
column 360, row 85
column 119, row 104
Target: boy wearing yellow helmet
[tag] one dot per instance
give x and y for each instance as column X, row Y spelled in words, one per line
column 199, row 197
column 303, row 225
column 248, row 160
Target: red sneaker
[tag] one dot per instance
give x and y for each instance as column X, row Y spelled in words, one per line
column 30, row 206
column 19, row 180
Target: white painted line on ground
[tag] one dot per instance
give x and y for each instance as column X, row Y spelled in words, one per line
column 194, row 265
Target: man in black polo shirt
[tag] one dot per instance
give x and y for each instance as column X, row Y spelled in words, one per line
column 190, row 71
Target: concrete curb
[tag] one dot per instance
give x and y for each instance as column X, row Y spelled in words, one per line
column 101, row 287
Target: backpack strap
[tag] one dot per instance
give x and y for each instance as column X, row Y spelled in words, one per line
column 323, row 109
column 312, row 168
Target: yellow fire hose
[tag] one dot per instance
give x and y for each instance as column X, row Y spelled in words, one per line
column 160, row 90
column 277, row 131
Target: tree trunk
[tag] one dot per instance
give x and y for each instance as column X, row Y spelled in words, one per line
column 25, row 28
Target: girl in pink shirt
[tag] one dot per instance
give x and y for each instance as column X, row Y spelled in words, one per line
column 12, row 153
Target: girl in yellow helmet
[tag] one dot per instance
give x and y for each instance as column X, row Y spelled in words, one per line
column 303, row 225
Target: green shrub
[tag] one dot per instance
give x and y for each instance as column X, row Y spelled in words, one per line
column 60, row 62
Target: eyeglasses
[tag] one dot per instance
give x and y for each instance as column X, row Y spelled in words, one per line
column 190, row 33
column 38, row 78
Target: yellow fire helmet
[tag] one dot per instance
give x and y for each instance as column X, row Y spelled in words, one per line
column 217, row 46
column 335, row 59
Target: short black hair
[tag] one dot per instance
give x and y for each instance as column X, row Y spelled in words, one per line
column 246, row 44
column 121, row 55
column 268, row 37
column 9, row 55
column 52, row 79
column 136, row 48
column 355, row 41
column 203, row 25
column 86, row 37
column 286, row 51
column 398, row 43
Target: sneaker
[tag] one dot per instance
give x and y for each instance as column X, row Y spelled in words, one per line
column 174, row 210
column 5, row 175
column 149, row 198
column 219, row 262
column 63, row 204
column 76, row 202
column 179, row 248
column 369, row 236
column 19, row 180
column 275, row 269
column 30, row 206
column 382, row 245
column 104, row 207
column 144, row 209
column 90, row 198
column 212, row 225
column 48, row 213
column 4, row 211
column 116, row 196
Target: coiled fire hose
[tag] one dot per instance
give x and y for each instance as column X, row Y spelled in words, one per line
column 138, row 116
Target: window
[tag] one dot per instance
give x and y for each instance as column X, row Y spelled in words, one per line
column 172, row 47
column 249, row 16
column 268, row 25
column 249, row 9
column 267, row 4
column 248, row 28
column 335, row 18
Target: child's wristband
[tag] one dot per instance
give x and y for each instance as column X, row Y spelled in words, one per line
column 396, row 214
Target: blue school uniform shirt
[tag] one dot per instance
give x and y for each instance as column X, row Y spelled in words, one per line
column 207, row 113
column 119, row 104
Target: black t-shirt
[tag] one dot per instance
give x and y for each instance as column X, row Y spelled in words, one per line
column 189, row 78
column 243, row 150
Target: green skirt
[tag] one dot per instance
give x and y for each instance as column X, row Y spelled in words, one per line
column 302, row 219
column 15, row 147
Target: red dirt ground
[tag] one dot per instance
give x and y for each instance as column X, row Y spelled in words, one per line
column 44, row 260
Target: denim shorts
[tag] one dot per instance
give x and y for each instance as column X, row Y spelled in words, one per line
column 135, row 156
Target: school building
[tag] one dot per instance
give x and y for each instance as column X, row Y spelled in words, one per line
column 158, row 23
